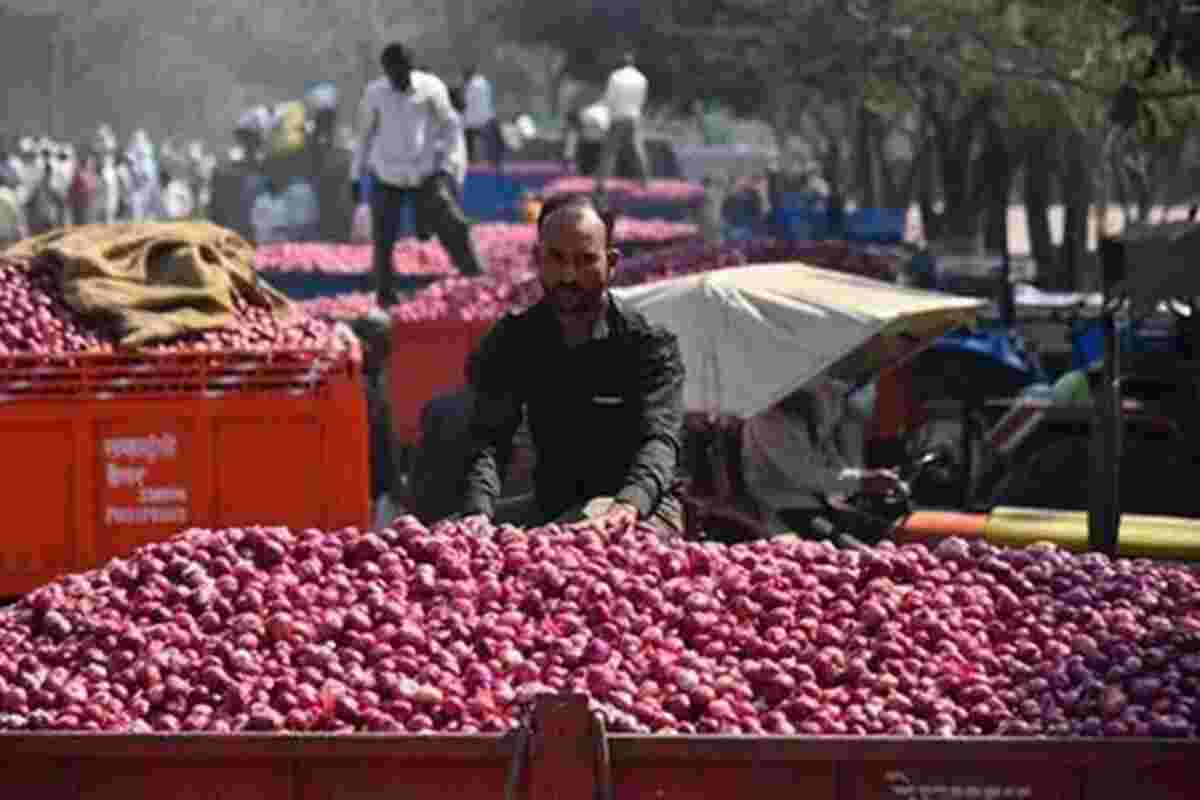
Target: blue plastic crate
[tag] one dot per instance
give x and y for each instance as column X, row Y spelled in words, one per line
column 880, row 225
column 491, row 198
column 799, row 224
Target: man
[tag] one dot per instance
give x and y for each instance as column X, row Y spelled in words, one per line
column 108, row 196
column 458, row 155
column 587, row 131
column 625, row 97
column 602, row 389
column 797, row 451
column 479, row 117
column 12, row 215
column 408, row 129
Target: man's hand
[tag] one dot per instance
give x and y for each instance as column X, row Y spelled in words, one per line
column 605, row 515
column 619, row 515
column 882, row 482
column 475, row 523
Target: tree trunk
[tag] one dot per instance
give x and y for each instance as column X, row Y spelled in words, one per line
column 1038, row 168
column 998, row 181
column 931, row 220
column 1077, row 194
column 866, row 188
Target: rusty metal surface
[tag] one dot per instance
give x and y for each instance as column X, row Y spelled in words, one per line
column 624, row 748
column 566, row 759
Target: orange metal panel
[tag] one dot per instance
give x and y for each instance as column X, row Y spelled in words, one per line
column 427, row 359
column 258, row 462
column 143, row 493
column 91, row 474
column 37, row 491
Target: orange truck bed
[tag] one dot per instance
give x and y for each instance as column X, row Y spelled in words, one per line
column 105, row 453
column 567, row 758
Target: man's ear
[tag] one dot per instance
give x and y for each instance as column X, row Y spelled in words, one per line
column 614, row 258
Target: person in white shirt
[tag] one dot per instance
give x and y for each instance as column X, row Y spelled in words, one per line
column 458, row 156
column 408, row 131
column 479, row 118
column 587, row 131
column 625, row 98
column 107, row 203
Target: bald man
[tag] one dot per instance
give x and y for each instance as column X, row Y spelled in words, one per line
column 602, row 389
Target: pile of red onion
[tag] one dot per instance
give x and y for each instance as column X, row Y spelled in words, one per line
column 502, row 247
column 622, row 192
column 455, row 629
column 34, row 319
column 516, row 285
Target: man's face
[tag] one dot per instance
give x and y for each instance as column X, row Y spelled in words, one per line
column 574, row 262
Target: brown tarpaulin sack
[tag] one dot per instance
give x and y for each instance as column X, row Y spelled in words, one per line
column 154, row 281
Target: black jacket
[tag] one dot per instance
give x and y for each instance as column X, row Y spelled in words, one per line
column 605, row 417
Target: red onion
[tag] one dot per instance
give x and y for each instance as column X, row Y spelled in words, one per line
column 772, row 637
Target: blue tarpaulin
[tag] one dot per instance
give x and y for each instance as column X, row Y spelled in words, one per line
column 992, row 345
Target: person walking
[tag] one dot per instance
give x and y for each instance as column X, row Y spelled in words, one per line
column 587, row 131
column 625, row 98
column 146, row 184
column 479, row 118
column 107, row 203
column 408, row 130
column 12, row 214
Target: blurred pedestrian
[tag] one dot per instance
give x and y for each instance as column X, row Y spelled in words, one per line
column 85, row 188
column 45, row 209
column 408, row 130
column 625, row 98
column 458, row 156
column 479, row 119
column 107, row 202
column 587, row 131
column 178, row 202
column 12, row 214
column 145, row 186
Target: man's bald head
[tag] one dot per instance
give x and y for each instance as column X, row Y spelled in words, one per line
column 573, row 256
column 577, row 204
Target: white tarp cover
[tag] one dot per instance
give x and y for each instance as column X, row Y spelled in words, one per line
column 750, row 336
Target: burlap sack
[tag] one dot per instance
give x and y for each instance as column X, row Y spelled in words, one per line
column 153, row 281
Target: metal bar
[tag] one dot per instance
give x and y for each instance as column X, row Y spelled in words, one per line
column 562, row 757
column 624, row 748
column 1007, row 301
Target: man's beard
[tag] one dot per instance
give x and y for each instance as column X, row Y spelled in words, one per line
column 573, row 301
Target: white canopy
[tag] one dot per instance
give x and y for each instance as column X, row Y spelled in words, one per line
column 751, row 336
